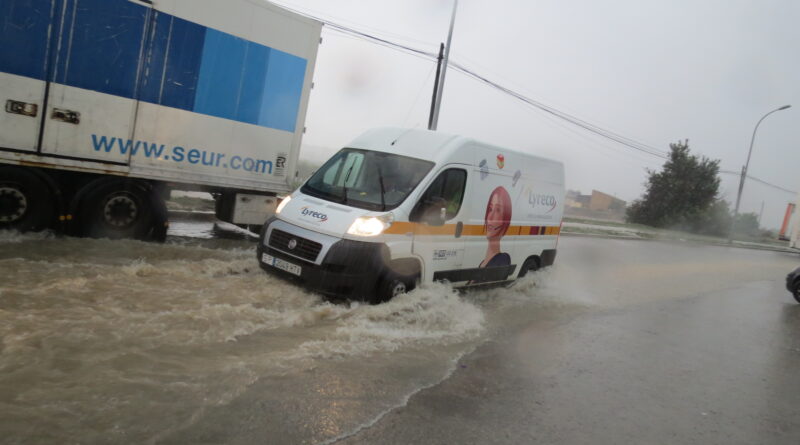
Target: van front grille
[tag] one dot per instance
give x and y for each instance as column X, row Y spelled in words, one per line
column 302, row 248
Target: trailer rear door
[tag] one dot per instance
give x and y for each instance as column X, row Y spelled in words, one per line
column 95, row 72
column 24, row 29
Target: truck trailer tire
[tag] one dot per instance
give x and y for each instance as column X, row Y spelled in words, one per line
column 25, row 201
column 119, row 209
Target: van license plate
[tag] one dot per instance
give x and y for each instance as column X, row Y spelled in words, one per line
column 280, row 264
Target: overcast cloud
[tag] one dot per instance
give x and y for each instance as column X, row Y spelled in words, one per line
column 654, row 71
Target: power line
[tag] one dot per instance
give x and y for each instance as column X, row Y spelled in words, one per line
column 376, row 39
column 567, row 117
column 783, row 189
column 348, row 22
column 416, row 100
column 620, row 139
column 376, row 42
column 600, row 131
column 373, row 38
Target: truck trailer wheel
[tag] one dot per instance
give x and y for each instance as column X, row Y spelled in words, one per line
column 120, row 209
column 796, row 290
column 25, row 201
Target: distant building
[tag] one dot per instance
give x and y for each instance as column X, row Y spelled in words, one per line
column 603, row 201
column 599, row 203
column 576, row 200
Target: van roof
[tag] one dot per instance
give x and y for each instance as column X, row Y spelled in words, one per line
column 430, row 145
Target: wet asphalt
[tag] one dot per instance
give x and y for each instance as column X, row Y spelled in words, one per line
column 711, row 367
column 720, row 365
column 620, row 341
column 717, row 368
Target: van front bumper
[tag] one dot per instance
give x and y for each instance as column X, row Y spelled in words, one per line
column 349, row 269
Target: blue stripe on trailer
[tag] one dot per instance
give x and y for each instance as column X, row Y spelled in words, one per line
column 281, row 101
column 219, row 85
column 98, row 45
column 173, row 61
column 23, row 33
column 248, row 82
column 253, row 83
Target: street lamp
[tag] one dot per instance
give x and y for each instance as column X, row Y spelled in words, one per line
column 744, row 171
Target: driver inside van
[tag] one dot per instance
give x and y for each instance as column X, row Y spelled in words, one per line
column 392, row 187
column 397, row 180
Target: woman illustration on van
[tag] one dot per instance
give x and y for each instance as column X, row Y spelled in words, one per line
column 496, row 222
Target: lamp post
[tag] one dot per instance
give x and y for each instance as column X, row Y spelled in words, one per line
column 744, row 172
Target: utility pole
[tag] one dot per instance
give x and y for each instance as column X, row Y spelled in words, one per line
column 436, row 86
column 434, row 121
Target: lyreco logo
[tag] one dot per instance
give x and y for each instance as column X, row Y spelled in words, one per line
column 537, row 200
column 321, row 217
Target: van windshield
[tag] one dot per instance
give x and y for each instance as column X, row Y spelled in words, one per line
column 366, row 179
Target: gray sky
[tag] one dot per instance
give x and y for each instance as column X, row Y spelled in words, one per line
column 654, row 71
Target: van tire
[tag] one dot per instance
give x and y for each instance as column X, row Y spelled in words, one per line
column 796, row 290
column 530, row 265
column 25, row 201
column 391, row 286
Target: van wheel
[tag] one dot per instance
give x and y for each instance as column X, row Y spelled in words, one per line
column 796, row 290
column 118, row 209
column 530, row 265
column 25, row 202
column 391, row 286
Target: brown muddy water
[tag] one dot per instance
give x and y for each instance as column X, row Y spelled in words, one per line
column 190, row 342
column 130, row 342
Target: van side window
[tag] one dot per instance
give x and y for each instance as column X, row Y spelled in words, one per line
column 447, row 191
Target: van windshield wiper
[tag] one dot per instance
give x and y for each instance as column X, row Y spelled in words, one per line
column 346, row 178
column 383, row 190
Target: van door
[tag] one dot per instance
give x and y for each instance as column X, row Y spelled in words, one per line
column 438, row 220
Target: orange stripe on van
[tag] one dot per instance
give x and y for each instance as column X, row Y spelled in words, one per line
column 474, row 230
column 402, row 228
column 447, row 229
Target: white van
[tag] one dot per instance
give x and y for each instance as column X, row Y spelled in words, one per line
column 400, row 207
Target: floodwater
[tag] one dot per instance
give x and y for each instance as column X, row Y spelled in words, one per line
column 130, row 342
column 191, row 342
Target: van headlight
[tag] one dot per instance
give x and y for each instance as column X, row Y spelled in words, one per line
column 283, row 203
column 371, row 225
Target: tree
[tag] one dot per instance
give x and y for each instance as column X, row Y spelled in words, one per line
column 747, row 224
column 681, row 194
column 715, row 221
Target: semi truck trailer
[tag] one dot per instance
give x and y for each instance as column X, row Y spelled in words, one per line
column 109, row 105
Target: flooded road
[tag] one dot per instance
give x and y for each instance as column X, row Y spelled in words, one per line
column 190, row 342
column 716, row 366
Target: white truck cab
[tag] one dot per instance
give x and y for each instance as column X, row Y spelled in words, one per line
column 399, row 207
